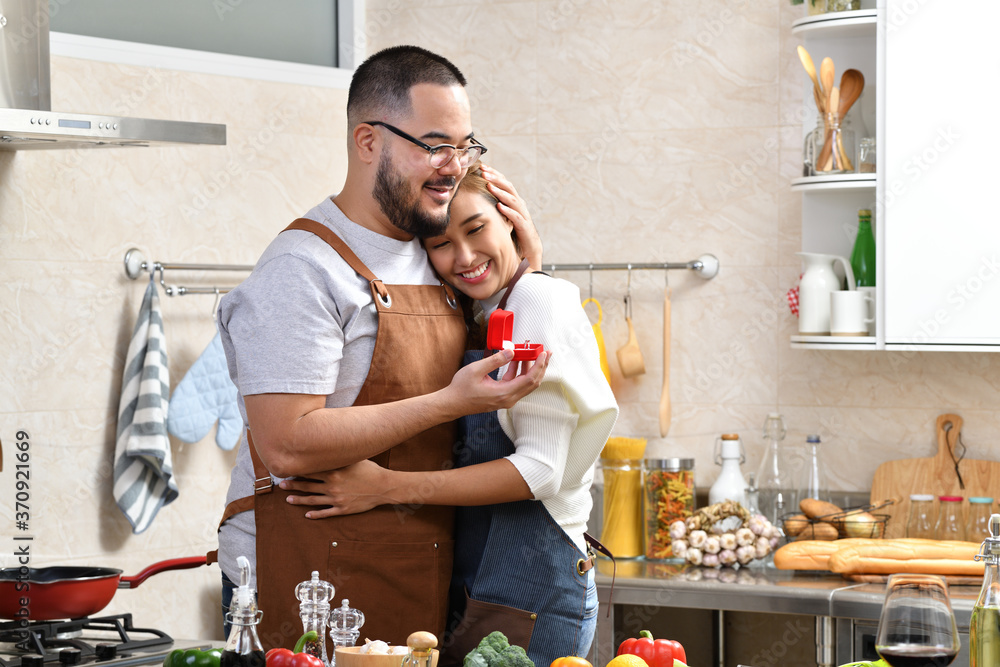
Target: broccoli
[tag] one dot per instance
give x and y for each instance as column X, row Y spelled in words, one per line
column 495, row 651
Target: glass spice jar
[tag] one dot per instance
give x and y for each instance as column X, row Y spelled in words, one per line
column 866, row 159
column 668, row 495
column 949, row 524
column 842, row 5
column 980, row 509
column 921, row 521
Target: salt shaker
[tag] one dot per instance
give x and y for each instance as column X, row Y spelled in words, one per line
column 314, row 610
column 345, row 627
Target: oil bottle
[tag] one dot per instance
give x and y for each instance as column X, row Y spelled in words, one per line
column 243, row 649
column 984, row 629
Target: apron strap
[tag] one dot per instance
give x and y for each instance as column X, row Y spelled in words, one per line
column 510, row 286
column 593, row 544
column 337, row 243
column 262, row 484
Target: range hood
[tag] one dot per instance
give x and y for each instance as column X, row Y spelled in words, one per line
column 26, row 118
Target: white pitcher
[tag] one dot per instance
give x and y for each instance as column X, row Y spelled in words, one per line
column 818, row 280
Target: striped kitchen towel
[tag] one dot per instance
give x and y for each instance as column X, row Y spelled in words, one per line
column 143, row 479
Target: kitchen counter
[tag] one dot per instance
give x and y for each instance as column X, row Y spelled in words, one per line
column 759, row 588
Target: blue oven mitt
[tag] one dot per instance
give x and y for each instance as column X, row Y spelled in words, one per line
column 204, row 396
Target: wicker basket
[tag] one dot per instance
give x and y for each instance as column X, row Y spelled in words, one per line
column 834, row 526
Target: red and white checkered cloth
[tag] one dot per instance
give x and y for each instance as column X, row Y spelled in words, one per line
column 793, row 298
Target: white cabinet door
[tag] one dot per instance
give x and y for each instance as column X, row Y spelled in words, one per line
column 941, row 161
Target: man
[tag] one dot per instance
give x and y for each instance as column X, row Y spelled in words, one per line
column 345, row 346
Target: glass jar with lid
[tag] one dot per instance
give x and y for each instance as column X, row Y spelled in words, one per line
column 921, row 520
column 949, row 524
column 621, row 530
column 980, row 509
column 668, row 495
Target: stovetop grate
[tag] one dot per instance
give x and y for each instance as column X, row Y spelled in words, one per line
column 48, row 638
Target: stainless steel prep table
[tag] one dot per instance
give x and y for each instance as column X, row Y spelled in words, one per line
column 759, row 588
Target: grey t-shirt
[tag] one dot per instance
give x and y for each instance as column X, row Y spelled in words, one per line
column 304, row 322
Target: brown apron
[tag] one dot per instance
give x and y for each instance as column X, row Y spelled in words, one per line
column 394, row 562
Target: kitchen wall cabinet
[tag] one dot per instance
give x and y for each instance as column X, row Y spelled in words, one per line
column 928, row 105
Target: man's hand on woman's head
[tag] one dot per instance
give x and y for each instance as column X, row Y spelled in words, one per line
column 513, row 207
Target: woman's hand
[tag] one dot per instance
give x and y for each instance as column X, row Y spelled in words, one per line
column 349, row 490
column 514, row 208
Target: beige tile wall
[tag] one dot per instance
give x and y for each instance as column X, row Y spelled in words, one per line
column 638, row 131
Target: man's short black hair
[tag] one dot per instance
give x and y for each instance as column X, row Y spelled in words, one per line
column 381, row 84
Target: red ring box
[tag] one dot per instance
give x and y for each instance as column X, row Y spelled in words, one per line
column 501, row 328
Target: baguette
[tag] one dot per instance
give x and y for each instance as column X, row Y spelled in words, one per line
column 907, row 555
column 811, row 554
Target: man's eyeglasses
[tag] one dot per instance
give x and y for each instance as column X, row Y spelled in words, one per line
column 441, row 154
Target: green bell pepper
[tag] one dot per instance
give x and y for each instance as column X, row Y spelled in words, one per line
column 193, row 657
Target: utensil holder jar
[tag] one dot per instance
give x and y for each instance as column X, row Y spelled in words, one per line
column 668, row 495
column 621, row 531
column 840, row 158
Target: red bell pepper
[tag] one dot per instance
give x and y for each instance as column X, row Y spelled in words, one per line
column 656, row 652
column 282, row 657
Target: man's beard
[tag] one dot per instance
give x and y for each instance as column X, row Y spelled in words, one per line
column 391, row 191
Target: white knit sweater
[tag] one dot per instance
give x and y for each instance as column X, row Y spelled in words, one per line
column 559, row 429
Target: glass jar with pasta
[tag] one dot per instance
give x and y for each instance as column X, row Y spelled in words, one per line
column 668, row 495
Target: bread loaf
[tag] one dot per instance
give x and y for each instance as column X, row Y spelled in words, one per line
column 907, row 555
column 811, row 554
column 818, row 509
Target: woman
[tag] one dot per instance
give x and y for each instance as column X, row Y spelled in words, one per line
column 523, row 475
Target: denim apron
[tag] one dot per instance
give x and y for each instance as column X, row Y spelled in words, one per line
column 516, row 570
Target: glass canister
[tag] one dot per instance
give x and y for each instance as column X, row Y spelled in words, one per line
column 867, row 161
column 921, row 520
column 839, row 158
column 668, row 495
column 842, row 5
column 621, row 531
column 980, row 510
column 949, row 524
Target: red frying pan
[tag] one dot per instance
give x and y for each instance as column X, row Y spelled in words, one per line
column 54, row 593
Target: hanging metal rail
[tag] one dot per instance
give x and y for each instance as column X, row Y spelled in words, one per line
column 136, row 265
column 706, row 267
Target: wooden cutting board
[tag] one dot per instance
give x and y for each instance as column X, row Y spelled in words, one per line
column 935, row 475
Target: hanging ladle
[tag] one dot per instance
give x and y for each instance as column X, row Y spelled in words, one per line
column 629, row 355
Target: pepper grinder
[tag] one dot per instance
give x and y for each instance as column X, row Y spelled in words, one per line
column 314, row 610
column 345, row 627
column 421, row 646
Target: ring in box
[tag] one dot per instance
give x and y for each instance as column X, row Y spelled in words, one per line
column 499, row 333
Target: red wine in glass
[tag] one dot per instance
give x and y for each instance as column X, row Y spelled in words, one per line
column 917, row 656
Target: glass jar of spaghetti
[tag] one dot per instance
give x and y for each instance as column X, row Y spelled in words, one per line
column 668, row 495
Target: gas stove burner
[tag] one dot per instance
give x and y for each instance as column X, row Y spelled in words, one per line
column 82, row 641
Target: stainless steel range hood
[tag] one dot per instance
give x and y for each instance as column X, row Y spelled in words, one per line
column 26, row 119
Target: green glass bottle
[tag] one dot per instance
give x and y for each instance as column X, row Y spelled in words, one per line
column 863, row 255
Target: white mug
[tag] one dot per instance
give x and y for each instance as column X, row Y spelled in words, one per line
column 870, row 292
column 849, row 313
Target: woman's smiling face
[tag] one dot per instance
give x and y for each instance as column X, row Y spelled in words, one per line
column 476, row 254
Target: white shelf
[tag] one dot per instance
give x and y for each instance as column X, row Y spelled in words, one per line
column 838, row 24
column 835, row 182
column 834, row 342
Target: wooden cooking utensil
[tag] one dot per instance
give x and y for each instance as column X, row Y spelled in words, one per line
column 826, row 153
column 665, row 392
column 827, row 75
column 807, row 63
column 629, row 355
column 852, row 82
column 934, row 475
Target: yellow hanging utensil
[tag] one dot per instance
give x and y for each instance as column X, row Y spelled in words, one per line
column 599, row 335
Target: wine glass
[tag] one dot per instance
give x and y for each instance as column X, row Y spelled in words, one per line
column 917, row 627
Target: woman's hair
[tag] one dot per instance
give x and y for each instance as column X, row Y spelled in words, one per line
column 475, row 184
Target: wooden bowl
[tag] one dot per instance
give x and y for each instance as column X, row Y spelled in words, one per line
column 351, row 656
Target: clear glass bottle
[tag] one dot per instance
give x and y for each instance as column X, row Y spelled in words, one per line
column 814, row 477
column 980, row 510
column 921, row 520
column 984, row 628
column 949, row 523
column 314, row 610
column 243, row 648
column 863, row 254
column 729, row 485
column 774, row 484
